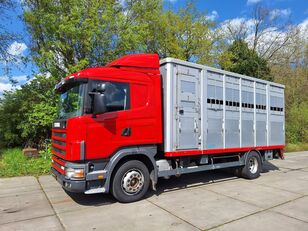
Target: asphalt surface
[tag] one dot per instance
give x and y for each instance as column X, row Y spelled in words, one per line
column 215, row 200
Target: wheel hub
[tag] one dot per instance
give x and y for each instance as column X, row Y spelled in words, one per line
column 132, row 181
column 253, row 165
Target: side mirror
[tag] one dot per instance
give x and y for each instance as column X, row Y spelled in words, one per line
column 101, row 87
column 99, row 104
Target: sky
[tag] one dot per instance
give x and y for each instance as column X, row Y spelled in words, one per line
column 216, row 10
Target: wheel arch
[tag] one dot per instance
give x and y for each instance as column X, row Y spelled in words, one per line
column 245, row 156
column 144, row 154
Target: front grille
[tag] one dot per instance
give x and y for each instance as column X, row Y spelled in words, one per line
column 59, row 134
column 59, row 142
column 58, row 150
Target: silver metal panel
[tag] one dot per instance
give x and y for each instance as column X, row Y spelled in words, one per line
column 261, row 133
column 221, row 109
column 187, row 136
column 214, row 131
column 188, row 108
column 232, row 133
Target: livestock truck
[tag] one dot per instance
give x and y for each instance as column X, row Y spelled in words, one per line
column 124, row 125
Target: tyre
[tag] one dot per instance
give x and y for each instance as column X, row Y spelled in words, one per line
column 130, row 181
column 253, row 166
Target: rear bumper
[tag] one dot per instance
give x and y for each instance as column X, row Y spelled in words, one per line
column 77, row 186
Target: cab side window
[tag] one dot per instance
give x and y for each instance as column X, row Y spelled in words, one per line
column 116, row 94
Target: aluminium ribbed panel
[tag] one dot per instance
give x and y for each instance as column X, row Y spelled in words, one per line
column 208, row 108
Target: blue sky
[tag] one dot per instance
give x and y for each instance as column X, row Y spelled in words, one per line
column 218, row 10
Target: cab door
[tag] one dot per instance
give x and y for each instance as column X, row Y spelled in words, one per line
column 105, row 132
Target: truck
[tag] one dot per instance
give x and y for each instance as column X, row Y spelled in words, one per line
column 123, row 126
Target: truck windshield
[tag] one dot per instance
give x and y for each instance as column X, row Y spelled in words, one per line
column 71, row 102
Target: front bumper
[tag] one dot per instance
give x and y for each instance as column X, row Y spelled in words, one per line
column 77, row 186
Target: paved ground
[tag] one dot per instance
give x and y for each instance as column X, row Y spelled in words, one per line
column 278, row 200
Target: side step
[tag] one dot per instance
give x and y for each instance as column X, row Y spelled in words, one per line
column 200, row 168
column 95, row 190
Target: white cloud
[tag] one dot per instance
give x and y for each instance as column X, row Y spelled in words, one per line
column 212, row 16
column 279, row 13
column 17, row 49
column 172, row 1
column 237, row 26
column 5, row 87
column 20, row 78
column 249, row 2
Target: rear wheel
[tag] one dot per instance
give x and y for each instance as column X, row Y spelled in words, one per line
column 131, row 181
column 253, row 166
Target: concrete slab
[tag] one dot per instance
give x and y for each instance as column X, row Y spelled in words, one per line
column 140, row 215
column 203, row 208
column 291, row 163
column 265, row 221
column 13, row 185
column 259, row 195
column 27, row 205
column 50, row 223
column 297, row 154
column 291, row 181
column 297, row 209
column 194, row 180
column 63, row 201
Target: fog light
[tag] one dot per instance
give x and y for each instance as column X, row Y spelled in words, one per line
column 72, row 173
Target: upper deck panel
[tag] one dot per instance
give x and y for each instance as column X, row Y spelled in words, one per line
column 217, row 70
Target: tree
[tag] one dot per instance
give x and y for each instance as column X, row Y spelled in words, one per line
column 70, row 35
column 240, row 59
column 187, row 34
column 267, row 31
column 26, row 114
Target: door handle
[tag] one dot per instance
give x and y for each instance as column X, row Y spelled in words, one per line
column 126, row 132
column 195, row 126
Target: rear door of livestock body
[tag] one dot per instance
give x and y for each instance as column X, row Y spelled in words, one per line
column 188, row 108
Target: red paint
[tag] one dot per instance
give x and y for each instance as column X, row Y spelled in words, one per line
column 219, row 151
column 142, row 61
column 102, row 135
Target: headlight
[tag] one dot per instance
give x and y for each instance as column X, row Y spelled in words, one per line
column 74, row 173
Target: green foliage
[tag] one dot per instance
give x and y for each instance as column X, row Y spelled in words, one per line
column 14, row 163
column 296, row 100
column 240, row 59
column 26, row 114
column 296, row 147
column 70, row 35
column 297, row 123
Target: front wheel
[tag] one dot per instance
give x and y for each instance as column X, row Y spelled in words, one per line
column 253, row 166
column 131, row 181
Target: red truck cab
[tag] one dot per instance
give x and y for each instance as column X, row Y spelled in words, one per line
column 84, row 141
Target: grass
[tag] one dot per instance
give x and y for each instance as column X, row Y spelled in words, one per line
column 296, row 147
column 14, row 163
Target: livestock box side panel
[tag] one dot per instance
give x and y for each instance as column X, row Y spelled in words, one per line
column 207, row 108
column 181, row 89
column 276, row 115
column 261, row 115
column 232, row 112
column 247, row 123
column 214, row 114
